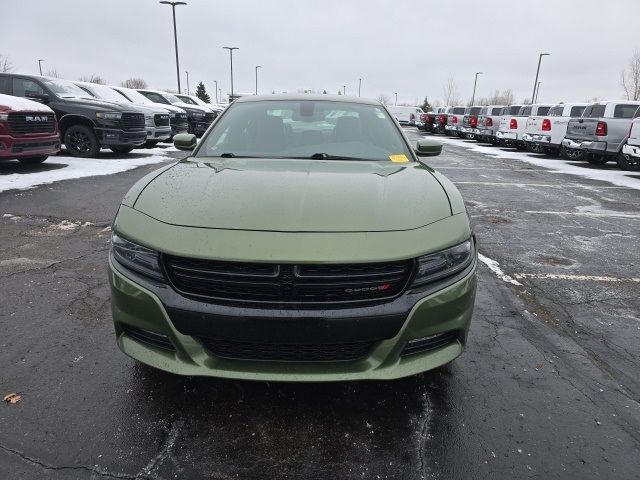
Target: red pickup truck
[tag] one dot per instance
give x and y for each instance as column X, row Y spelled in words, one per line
column 28, row 130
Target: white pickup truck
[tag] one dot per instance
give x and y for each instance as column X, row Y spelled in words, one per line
column 544, row 133
column 405, row 115
column 488, row 123
column 629, row 158
column 512, row 127
column 454, row 121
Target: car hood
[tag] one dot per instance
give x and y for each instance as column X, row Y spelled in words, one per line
column 295, row 195
column 102, row 105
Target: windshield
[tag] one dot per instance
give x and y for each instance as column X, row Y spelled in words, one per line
column 186, row 99
column 104, row 93
column 65, row 89
column 306, row 129
column 133, row 96
column 172, row 98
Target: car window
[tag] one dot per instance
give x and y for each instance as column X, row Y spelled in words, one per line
column 4, row 84
column 458, row 110
column 525, row 111
column 594, row 111
column 624, row 110
column 543, row 110
column 514, row 109
column 474, row 110
column 577, row 111
column 154, row 97
column 23, row 87
column 497, row 110
column 555, row 111
column 186, row 99
column 300, row 129
column 483, row 111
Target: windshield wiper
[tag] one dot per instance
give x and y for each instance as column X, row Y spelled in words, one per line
column 326, row 156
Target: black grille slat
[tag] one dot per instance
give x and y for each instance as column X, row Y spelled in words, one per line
column 132, row 121
column 209, row 117
column 431, row 343
column 287, row 352
column 179, row 120
column 149, row 338
column 239, row 282
column 161, row 119
column 25, row 123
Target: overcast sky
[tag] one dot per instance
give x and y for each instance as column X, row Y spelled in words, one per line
column 404, row 46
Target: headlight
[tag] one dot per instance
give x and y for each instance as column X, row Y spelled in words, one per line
column 4, row 117
column 172, row 115
column 109, row 115
column 445, row 263
column 198, row 115
column 136, row 257
column 148, row 120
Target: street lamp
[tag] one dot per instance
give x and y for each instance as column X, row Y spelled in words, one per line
column 535, row 84
column 396, row 94
column 538, row 91
column 40, row 60
column 175, row 35
column 257, row 67
column 231, row 49
column 359, row 85
column 344, row 90
column 216, row 82
column 187, row 81
column 473, row 98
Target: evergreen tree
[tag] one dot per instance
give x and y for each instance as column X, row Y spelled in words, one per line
column 426, row 106
column 202, row 94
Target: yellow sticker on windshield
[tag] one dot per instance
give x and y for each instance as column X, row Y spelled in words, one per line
column 401, row 158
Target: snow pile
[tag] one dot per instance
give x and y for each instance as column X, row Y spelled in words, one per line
column 80, row 168
column 22, row 104
column 616, row 177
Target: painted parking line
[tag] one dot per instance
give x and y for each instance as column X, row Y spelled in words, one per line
column 578, row 278
column 495, row 268
column 542, row 185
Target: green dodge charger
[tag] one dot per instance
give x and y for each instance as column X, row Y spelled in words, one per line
column 302, row 240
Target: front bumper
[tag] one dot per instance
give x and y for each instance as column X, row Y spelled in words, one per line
column 28, row 146
column 198, row 128
column 154, row 307
column 108, row 136
column 631, row 150
column 589, row 146
column 158, row 133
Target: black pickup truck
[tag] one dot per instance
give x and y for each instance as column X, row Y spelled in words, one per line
column 86, row 124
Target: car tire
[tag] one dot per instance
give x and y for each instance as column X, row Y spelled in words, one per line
column 534, row 147
column 81, row 141
column 151, row 143
column 628, row 162
column 550, row 151
column 33, row 160
column 571, row 153
column 121, row 149
column 597, row 159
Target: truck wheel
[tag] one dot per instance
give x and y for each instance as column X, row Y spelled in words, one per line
column 151, row 143
column 597, row 159
column 33, row 160
column 627, row 162
column 550, row 151
column 571, row 153
column 81, row 141
column 121, row 149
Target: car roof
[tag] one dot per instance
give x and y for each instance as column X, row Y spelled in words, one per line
column 306, row 96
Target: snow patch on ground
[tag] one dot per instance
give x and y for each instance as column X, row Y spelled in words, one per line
column 616, row 177
column 79, row 168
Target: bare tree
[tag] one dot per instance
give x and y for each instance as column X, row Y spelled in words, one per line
column 52, row 72
column 451, row 92
column 93, row 78
column 134, row 83
column 5, row 64
column 498, row 97
column 630, row 78
column 384, row 99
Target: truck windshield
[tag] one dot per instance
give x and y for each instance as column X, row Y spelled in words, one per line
column 104, row 93
column 513, row 109
column 577, row 111
column 65, row 89
column 172, row 98
column 555, row 111
column 306, row 129
column 133, row 96
column 474, row 110
column 186, row 99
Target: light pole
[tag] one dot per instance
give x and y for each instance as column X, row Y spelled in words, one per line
column 40, row 60
column 175, row 35
column 344, row 90
column 359, row 85
column 187, row 81
column 473, row 98
column 257, row 67
column 220, row 91
column 231, row 49
column 216, row 82
column 396, row 94
column 535, row 84
column 538, row 92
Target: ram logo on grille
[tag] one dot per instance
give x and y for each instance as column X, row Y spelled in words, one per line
column 34, row 118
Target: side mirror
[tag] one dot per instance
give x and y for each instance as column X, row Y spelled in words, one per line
column 37, row 97
column 185, row 141
column 428, row 148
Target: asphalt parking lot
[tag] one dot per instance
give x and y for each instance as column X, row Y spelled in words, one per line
column 549, row 386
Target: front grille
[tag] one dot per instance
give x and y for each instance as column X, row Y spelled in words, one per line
column 24, row 123
column 132, row 121
column 161, row 119
column 180, row 120
column 210, row 117
column 287, row 352
column 288, row 284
